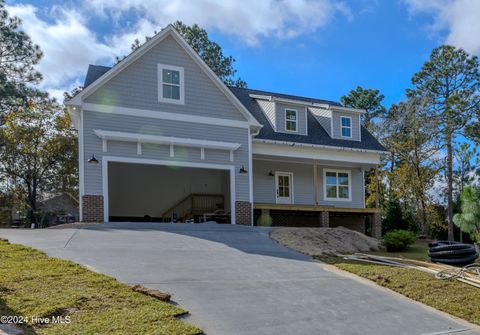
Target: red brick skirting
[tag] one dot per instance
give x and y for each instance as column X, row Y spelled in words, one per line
column 243, row 212
column 92, row 208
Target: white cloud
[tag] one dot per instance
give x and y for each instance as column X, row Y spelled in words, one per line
column 459, row 18
column 69, row 45
column 248, row 19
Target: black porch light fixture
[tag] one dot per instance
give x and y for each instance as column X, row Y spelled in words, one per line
column 242, row 170
column 93, row 160
column 271, row 174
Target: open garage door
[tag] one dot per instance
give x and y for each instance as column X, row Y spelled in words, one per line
column 160, row 193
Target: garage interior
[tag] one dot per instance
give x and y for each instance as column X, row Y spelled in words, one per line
column 157, row 193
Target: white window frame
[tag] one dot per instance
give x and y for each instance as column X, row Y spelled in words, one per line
column 180, row 70
column 349, row 173
column 342, row 126
column 296, row 120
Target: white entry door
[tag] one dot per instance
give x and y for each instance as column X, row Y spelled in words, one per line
column 283, row 185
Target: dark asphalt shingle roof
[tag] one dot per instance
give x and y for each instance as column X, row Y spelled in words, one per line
column 316, row 133
column 94, row 72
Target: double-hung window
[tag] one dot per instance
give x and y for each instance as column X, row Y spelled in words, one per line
column 171, row 84
column 337, row 185
column 290, row 120
column 346, row 125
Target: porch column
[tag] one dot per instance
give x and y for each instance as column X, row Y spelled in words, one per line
column 315, row 186
column 376, row 220
column 324, row 219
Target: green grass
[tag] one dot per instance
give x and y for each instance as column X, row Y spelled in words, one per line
column 33, row 284
column 450, row 296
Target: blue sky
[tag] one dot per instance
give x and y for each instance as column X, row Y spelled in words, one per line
column 318, row 48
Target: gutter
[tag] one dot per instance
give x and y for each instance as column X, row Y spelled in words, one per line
column 320, row 146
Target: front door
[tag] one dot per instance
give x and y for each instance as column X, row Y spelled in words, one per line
column 283, row 184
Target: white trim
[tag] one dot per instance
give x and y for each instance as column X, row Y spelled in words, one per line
column 81, row 165
column 202, row 153
column 164, row 115
column 259, row 140
column 104, row 145
column 368, row 159
column 362, row 170
column 285, row 118
column 139, row 148
column 107, row 159
column 342, row 126
column 169, row 140
column 348, row 109
column 290, row 186
column 231, row 155
column 349, row 172
column 161, row 98
column 168, row 31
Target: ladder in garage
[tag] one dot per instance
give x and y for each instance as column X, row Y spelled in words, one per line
column 195, row 204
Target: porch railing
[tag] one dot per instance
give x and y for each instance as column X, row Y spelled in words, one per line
column 195, row 204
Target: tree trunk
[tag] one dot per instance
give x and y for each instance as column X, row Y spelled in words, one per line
column 450, row 188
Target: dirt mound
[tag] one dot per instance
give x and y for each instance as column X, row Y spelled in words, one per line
column 317, row 241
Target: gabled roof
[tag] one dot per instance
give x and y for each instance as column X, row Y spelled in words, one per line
column 316, row 133
column 109, row 73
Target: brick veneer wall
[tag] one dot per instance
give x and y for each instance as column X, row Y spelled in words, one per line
column 243, row 212
column 92, row 208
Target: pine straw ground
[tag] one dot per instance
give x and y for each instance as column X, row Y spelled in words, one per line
column 33, row 284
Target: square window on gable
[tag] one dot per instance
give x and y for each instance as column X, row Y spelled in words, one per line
column 170, row 84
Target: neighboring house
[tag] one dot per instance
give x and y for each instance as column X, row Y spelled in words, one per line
column 160, row 136
column 59, row 206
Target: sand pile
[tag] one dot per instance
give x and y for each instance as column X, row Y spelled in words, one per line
column 317, row 241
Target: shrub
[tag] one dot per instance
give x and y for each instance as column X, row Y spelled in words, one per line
column 398, row 240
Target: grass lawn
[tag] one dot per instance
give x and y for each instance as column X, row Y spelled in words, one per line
column 33, row 284
column 453, row 297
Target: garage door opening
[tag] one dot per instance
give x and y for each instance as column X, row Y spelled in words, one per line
column 160, row 193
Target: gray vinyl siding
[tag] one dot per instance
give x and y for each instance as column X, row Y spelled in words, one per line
column 280, row 118
column 134, row 124
column 268, row 108
column 324, row 117
column 137, row 86
column 337, row 131
column 264, row 185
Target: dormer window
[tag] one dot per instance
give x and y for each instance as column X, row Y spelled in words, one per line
column 170, row 84
column 346, row 124
column 291, row 120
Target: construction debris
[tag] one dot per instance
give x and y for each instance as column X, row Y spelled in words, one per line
column 152, row 292
column 469, row 274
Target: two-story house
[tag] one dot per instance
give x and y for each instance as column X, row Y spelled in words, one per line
column 162, row 138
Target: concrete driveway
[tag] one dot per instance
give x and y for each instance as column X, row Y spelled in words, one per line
column 234, row 280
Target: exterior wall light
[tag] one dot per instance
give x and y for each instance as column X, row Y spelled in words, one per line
column 93, row 160
column 242, row 170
